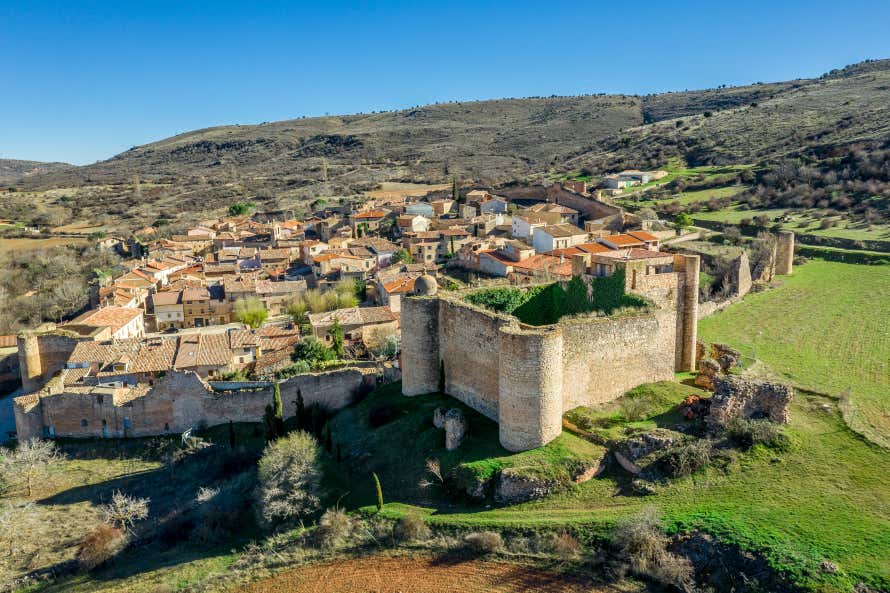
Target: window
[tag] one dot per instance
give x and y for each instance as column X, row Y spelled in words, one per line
column 84, row 422
column 166, row 426
column 126, row 424
column 104, row 422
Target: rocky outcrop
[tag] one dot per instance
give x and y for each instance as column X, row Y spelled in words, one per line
column 439, row 417
column 708, row 370
column 455, row 428
column 515, row 486
column 737, row 397
column 727, row 356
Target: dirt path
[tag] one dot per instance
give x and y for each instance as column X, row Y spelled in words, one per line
column 393, row 574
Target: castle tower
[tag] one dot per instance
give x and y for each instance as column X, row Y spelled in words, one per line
column 785, row 253
column 30, row 365
column 420, row 346
column 689, row 313
column 529, row 388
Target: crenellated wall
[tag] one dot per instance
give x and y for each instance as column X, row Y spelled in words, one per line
column 525, row 377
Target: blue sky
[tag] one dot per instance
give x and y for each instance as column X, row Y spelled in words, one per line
column 84, row 80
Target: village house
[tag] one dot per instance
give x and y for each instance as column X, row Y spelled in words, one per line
column 117, row 323
column 424, row 209
column 495, row 205
column 524, row 223
column 558, row 236
column 365, row 325
column 368, row 222
column 168, row 310
column 412, row 223
column 277, row 295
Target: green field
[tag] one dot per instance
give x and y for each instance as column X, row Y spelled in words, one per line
column 803, row 222
column 827, row 328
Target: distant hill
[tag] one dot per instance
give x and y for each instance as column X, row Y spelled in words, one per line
column 496, row 141
column 12, row 170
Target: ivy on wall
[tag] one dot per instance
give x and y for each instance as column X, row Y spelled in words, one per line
column 543, row 305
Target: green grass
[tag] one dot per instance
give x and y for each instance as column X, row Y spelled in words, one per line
column 827, row 328
column 397, row 451
column 827, row 498
column 803, row 222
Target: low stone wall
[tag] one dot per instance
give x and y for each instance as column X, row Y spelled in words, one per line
column 177, row 402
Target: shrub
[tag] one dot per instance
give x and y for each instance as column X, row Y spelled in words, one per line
column 100, row 545
column 289, row 478
column 633, row 409
column 642, row 546
column 687, row 458
column 484, row 542
column 411, row 527
column 380, row 415
column 565, row 545
column 334, row 529
column 747, row 433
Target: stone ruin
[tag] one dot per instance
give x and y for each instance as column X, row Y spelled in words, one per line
column 722, row 358
column 455, row 424
column 737, row 397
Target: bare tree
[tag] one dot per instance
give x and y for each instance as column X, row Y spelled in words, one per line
column 25, row 463
column 289, row 477
column 125, row 511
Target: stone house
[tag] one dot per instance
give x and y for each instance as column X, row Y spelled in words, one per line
column 366, row 325
column 167, row 309
column 558, row 236
column 120, row 323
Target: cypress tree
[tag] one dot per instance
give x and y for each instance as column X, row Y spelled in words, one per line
column 301, row 411
column 278, row 409
column 379, row 489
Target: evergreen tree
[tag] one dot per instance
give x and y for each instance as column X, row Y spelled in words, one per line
column 300, row 416
column 379, row 489
column 231, row 435
column 336, row 332
column 455, row 194
column 274, row 417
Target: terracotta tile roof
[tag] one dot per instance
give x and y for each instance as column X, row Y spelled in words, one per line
column 623, row 240
column 202, row 350
column 400, row 285
column 270, row 254
column 642, row 235
column 566, row 252
column 634, row 253
column 242, row 338
column 593, row 247
column 113, row 317
column 167, row 297
column 285, row 287
column 563, row 230
column 195, row 294
column 8, row 341
column 370, row 214
column 353, row 316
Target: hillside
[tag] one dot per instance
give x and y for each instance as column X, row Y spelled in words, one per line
column 12, row 170
column 842, row 107
column 284, row 164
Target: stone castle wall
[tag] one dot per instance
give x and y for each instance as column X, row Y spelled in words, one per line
column 525, row 378
column 785, row 253
column 41, row 356
column 177, row 402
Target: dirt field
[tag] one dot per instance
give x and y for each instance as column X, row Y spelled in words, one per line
column 392, row 189
column 382, row 574
column 24, row 244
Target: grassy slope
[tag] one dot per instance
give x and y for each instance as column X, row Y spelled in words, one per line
column 827, row 498
column 827, row 327
column 803, row 221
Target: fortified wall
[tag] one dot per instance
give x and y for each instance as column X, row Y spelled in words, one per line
column 175, row 403
column 526, row 377
column 42, row 355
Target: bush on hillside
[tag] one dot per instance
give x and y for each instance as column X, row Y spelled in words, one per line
column 564, row 545
column 290, row 478
column 411, row 528
column 100, row 545
column 746, row 433
column 686, row 459
column 484, row 542
column 642, row 548
column 334, row 529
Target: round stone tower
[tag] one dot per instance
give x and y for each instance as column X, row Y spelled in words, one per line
column 529, row 387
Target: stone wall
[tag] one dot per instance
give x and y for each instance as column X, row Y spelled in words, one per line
column 41, row 356
column 177, row 402
column 525, row 378
column 785, row 253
